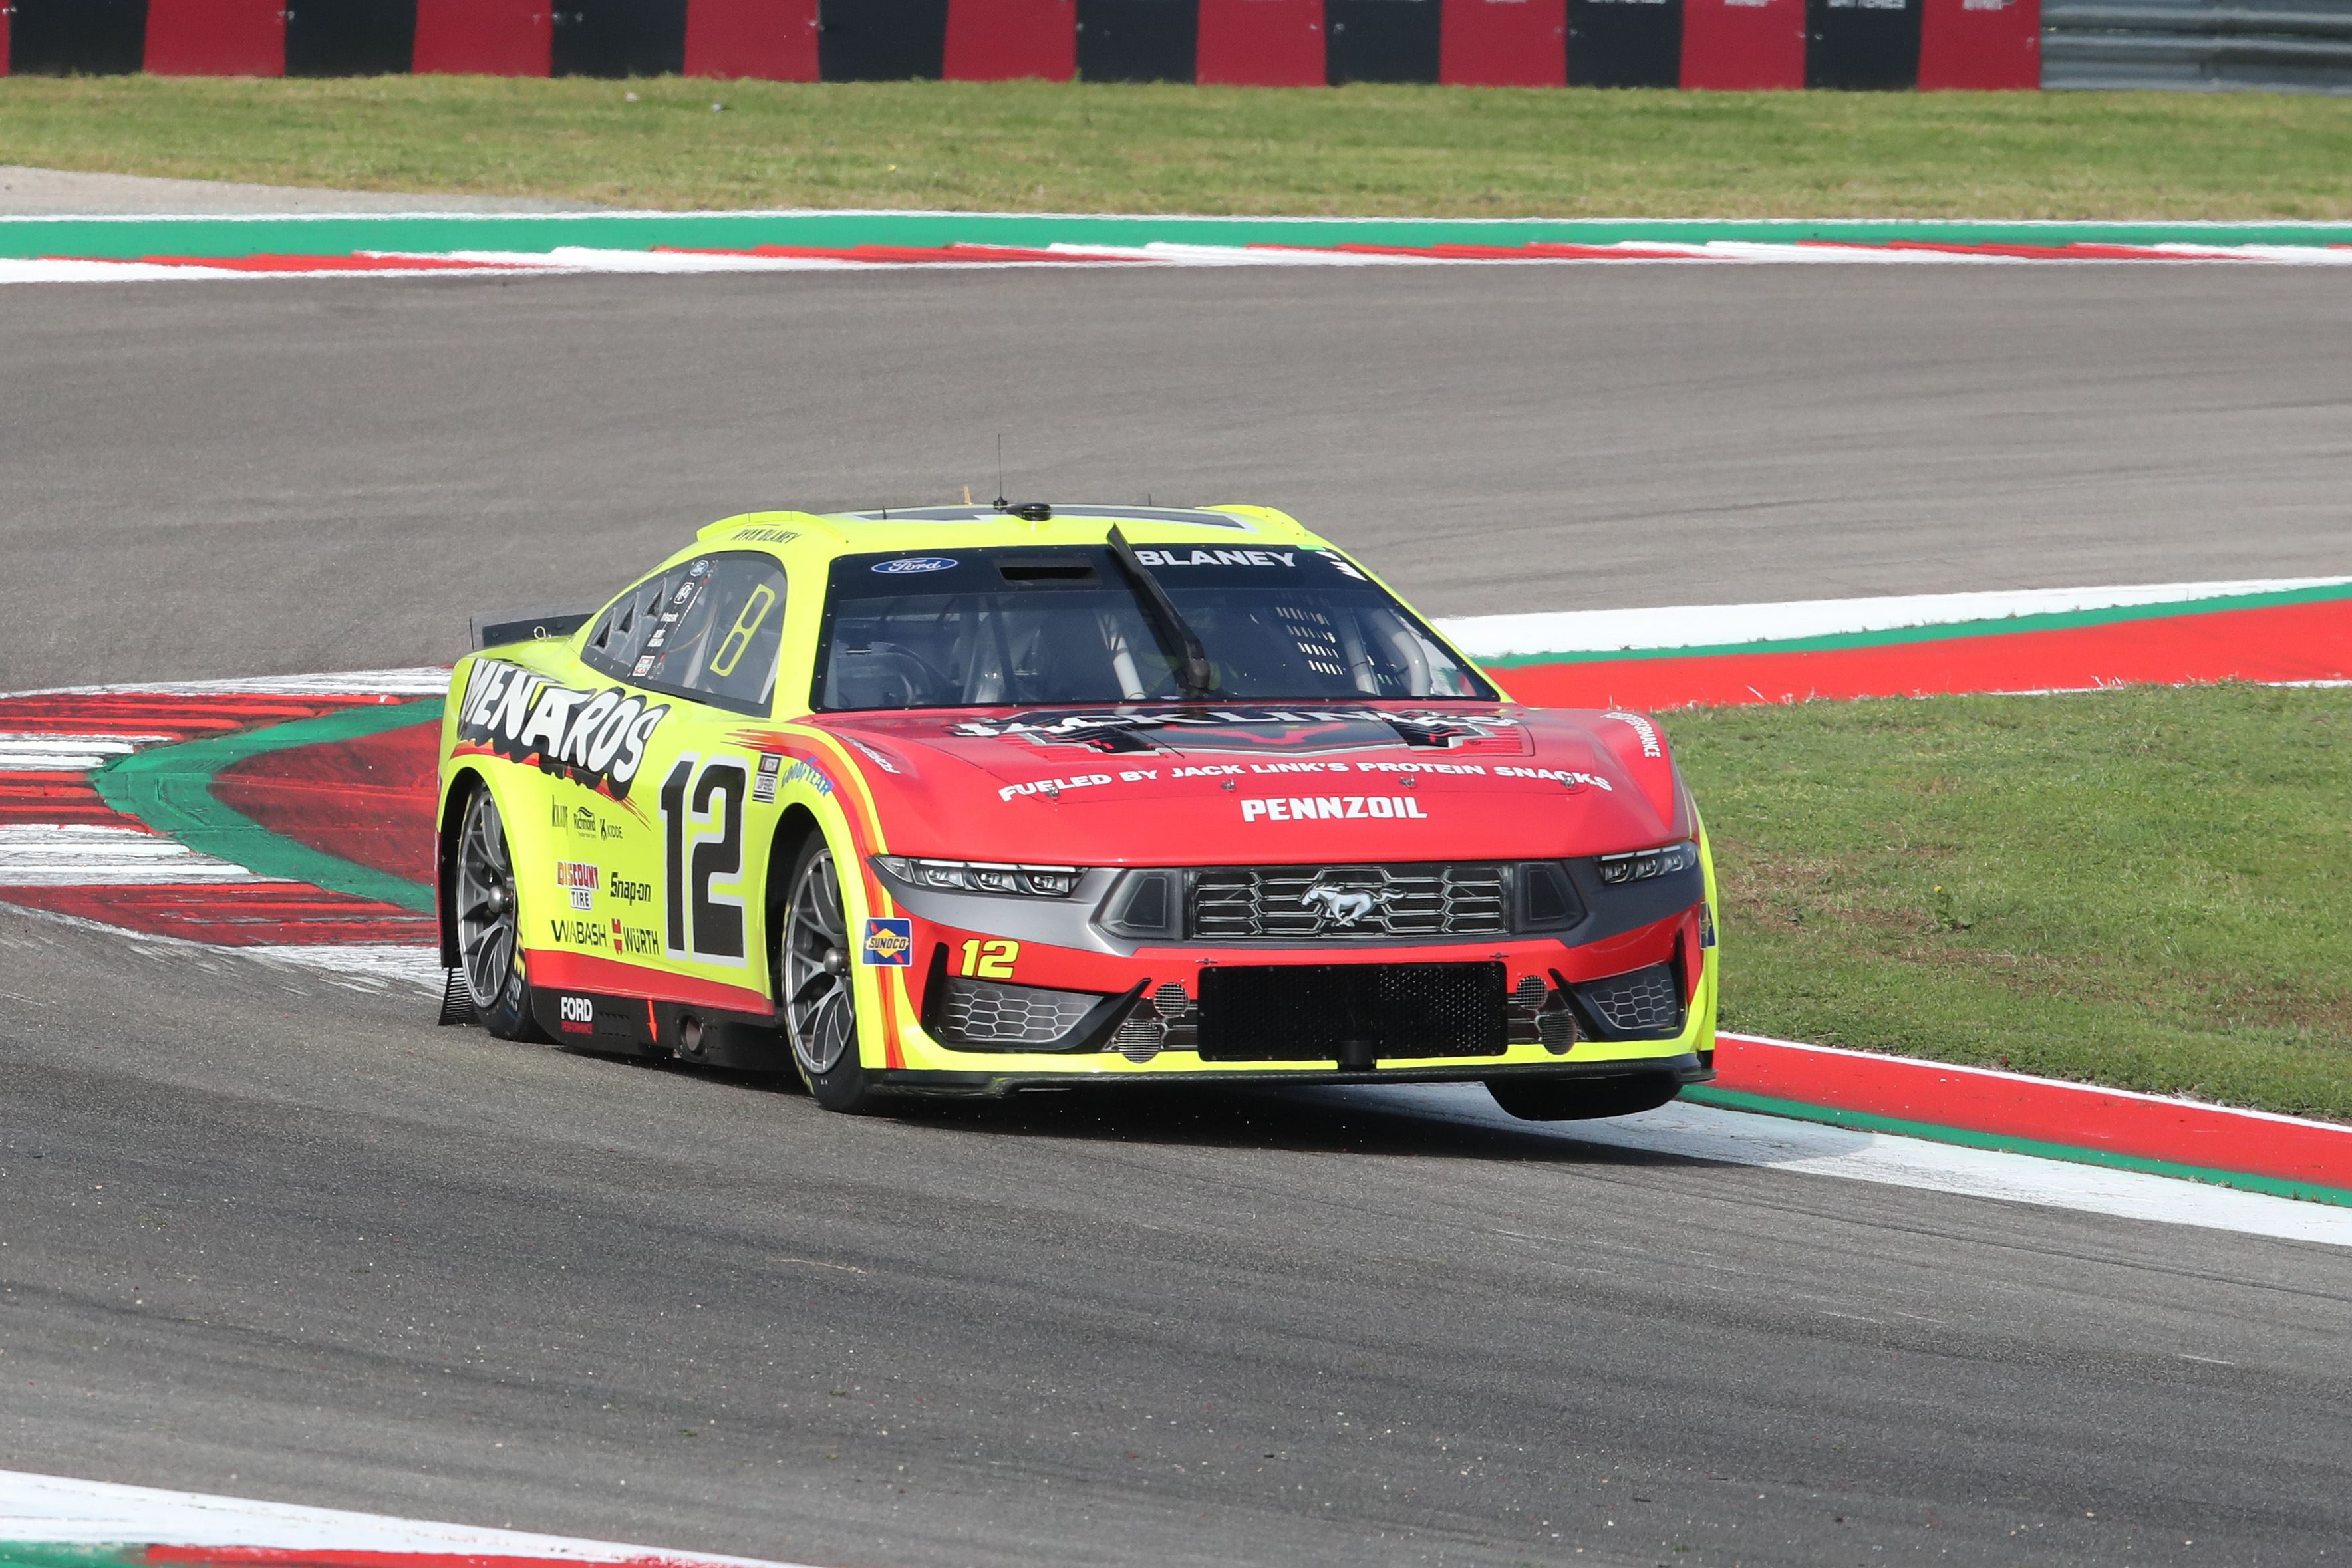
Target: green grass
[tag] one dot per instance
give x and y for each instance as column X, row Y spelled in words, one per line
column 2141, row 888
column 1033, row 146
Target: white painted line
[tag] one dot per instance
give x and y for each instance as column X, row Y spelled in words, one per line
column 1806, row 1148
column 414, row 680
column 1715, row 625
column 43, row 753
column 59, row 1511
column 76, row 854
column 372, row 966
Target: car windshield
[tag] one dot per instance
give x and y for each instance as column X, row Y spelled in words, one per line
column 986, row 628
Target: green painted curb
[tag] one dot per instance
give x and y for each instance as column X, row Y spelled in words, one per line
column 52, row 1555
column 1863, row 1122
column 129, row 239
column 2057, row 621
column 169, row 788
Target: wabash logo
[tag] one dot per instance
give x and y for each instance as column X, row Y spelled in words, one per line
column 596, row 739
column 577, row 1014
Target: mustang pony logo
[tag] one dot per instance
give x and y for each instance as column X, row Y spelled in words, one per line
column 1340, row 906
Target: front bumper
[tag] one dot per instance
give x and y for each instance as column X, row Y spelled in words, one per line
column 1155, row 986
column 1686, row 1067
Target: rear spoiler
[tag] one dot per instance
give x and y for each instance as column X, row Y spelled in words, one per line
column 498, row 630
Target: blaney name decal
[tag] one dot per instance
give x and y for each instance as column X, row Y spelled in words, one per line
column 596, row 738
column 1308, row 808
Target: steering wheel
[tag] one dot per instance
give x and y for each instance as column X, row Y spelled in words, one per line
column 898, row 677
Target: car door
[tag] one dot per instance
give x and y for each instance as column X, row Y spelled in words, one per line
column 680, row 893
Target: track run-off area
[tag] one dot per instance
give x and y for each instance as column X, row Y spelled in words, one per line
column 274, row 1235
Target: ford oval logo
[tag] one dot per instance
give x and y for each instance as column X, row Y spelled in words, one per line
column 914, row 563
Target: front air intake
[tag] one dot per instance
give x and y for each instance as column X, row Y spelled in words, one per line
column 1641, row 1004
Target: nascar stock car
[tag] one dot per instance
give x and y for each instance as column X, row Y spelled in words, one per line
column 973, row 799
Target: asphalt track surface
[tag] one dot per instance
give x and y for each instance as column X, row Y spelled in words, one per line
column 229, row 478
column 270, row 1236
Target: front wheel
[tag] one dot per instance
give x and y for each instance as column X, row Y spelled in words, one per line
column 815, row 989
column 489, row 923
column 1582, row 1099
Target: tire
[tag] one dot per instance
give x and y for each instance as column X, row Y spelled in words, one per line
column 812, row 962
column 1582, row 1099
column 489, row 923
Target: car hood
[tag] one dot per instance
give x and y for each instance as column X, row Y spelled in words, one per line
column 1207, row 785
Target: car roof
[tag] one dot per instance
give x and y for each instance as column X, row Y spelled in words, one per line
column 979, row 527
column 1202, row 517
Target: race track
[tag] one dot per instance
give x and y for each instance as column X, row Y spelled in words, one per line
column 276, row 1237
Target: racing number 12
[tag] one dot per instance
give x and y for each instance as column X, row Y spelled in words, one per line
column 703, row 924
column 990, row 960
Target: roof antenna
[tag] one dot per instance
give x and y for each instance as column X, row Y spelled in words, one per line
column 1000, row 471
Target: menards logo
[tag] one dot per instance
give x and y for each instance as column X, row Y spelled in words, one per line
column 596, row 739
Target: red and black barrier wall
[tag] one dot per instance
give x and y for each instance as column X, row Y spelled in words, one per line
column 1719, row 45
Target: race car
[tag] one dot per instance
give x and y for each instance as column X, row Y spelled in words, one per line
column 975, row 800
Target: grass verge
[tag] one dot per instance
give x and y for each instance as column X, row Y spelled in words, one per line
column 2140, row 888
column 1362, row 151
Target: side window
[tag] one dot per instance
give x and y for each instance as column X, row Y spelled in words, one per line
column 711, row 629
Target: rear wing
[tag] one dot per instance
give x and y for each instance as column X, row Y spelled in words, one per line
column 498, row 630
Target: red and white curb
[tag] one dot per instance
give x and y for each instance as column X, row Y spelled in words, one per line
column 1667, row 629
column 581, row 260
column 1697, row 1132
column 195, row 1528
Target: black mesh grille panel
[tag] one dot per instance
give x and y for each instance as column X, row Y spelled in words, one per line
column 981, row 1012
column 1243, row 904
column 1642, row 1004
column 1325, row 1012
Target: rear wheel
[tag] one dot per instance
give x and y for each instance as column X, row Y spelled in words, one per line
column 1582, row 1099
column 814, row 982
column 489, row 923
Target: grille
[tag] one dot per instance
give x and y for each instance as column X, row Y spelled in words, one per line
column 1642, row 1004
column 1247, row 904
column 1350, row 1013
column 979, row 1012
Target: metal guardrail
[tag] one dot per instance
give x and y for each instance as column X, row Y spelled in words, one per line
column 2278, row 45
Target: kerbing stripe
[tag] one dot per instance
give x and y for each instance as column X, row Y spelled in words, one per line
column 159, row 1526
column 1716, row 627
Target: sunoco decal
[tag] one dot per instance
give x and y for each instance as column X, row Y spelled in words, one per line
column 596, row 739
column 889, row 942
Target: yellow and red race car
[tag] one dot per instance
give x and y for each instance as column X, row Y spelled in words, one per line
column 965, row 800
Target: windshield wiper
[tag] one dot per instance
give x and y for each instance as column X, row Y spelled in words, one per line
column 1196, row 678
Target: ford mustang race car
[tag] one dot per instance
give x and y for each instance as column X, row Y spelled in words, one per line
column 973, row 799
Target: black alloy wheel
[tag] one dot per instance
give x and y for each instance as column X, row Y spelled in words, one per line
column 815, row 982
column 489, row 923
